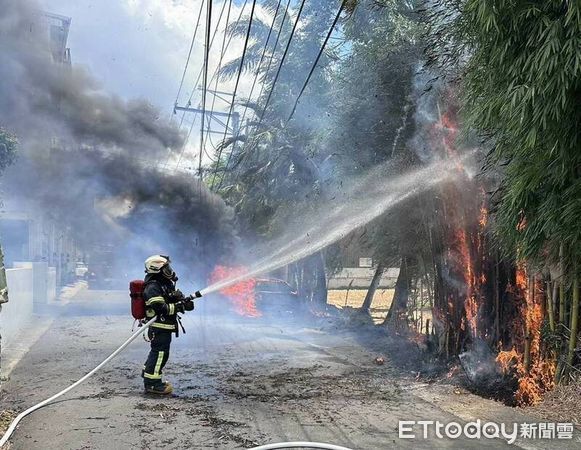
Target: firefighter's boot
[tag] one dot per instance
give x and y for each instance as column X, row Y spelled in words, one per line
column 162, row 388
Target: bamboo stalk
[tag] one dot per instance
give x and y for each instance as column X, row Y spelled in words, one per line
column 496, row 293
column 562, row 307
column 550, row 308
column 574, row 322
column 527, row 349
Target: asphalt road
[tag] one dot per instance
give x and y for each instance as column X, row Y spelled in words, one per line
column 238, row 383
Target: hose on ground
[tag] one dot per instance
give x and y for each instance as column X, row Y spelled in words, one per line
column 284, row 445
column 23, row 414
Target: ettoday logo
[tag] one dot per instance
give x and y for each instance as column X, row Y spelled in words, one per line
column 425, row 429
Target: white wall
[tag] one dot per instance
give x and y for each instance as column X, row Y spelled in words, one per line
column 51, row 284
column 18, row 311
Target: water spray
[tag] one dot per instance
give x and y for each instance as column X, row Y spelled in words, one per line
column 371, row 198
column 369, row 202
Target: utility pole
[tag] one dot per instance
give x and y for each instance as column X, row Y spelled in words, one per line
column 213, row 121
column 213, row 116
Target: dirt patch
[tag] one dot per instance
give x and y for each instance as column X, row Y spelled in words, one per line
column 202, row 413
column 6, row 418
column 307, row 384
column 561, row 405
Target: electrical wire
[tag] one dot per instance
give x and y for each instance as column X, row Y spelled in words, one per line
column 186, row 140
column 258, row 72
column 281, row 62
column 314, row 66
column 271, row 59
column 261, row 59
column 237, row 83
column 320, row 53
column 222, row 53
column 190, row 53
column 205, row 81
column 224, row 49
column 192, row 93
column 202, row 68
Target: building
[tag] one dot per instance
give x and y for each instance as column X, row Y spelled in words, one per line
column 26, row 236
column 54, row 30
column 40, row 255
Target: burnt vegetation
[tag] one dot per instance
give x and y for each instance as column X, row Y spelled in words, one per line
column 488, row 260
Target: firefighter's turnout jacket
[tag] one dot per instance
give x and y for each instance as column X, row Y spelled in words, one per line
column 159, row 302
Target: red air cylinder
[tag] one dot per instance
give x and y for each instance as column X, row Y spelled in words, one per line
column 137, row 301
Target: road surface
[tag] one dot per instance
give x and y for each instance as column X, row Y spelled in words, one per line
column 239, row 382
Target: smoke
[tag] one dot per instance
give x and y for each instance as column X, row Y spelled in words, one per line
column 89, row 160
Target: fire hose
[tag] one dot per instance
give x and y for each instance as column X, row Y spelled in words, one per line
column 284, row 445
column 25, row 413
column 134, row 336
column 30, row 410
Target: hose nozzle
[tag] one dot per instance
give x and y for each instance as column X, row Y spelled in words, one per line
column 197, row 294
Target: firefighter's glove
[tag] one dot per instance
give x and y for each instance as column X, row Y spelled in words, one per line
column 185, row 305
column 176, row 296
column 188, row 303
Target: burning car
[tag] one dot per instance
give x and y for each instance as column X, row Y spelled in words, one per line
column 274, row 296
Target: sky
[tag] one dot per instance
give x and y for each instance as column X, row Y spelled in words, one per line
column 138, row 48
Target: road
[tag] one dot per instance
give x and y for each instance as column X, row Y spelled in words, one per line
column 239, row 382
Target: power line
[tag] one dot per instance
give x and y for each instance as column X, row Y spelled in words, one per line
column 202, row 69
column 281, row 62
column 261, row 59
column 275, row 47
column 205, row 83
column 312, row 70
column 231, row 35
column 192, row 94
column 268, row 70
column 260, row 63
column 190, row 52
column 222, row 53
column 224, row 49
column 314, row 66
column 184, row 76
column 237, row 82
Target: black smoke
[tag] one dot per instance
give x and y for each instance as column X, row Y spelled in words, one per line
column 89, row 160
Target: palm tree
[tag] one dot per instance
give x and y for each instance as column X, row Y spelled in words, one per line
column 275, row 167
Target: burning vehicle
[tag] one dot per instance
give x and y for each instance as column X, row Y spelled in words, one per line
column 255, row 297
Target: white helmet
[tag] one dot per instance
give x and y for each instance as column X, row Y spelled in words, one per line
column 159, row 264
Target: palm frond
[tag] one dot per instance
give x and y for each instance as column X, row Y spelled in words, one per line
column 230, row 69
column 258, row 31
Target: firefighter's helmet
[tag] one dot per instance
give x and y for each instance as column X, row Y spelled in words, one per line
column 159, row 264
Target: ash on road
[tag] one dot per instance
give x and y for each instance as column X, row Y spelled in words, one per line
column 239, row 383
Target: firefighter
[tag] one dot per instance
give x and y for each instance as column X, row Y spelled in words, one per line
column 163, row 300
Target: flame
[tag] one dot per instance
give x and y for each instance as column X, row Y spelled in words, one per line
column 538, row 378
column 507, row 360
column 466, row 240
column 466, row 212
column 483, row 219
column 470, row 281
column 242, row 294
